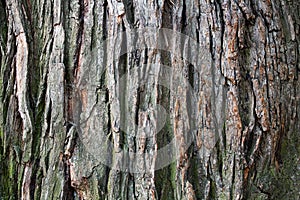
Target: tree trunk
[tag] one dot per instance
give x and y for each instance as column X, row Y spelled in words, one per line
column 161, row 99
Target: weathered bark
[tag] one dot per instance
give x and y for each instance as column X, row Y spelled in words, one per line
column 233, row 113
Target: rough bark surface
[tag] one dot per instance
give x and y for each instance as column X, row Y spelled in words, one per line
column 56, row 72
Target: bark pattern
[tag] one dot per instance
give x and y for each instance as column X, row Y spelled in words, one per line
column 62, row 82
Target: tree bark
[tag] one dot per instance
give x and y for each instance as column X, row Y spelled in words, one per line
column 92, row 92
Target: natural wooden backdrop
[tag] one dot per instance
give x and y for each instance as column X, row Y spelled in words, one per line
column 245, row 144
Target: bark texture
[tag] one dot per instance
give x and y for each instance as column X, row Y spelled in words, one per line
column 57, row 71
